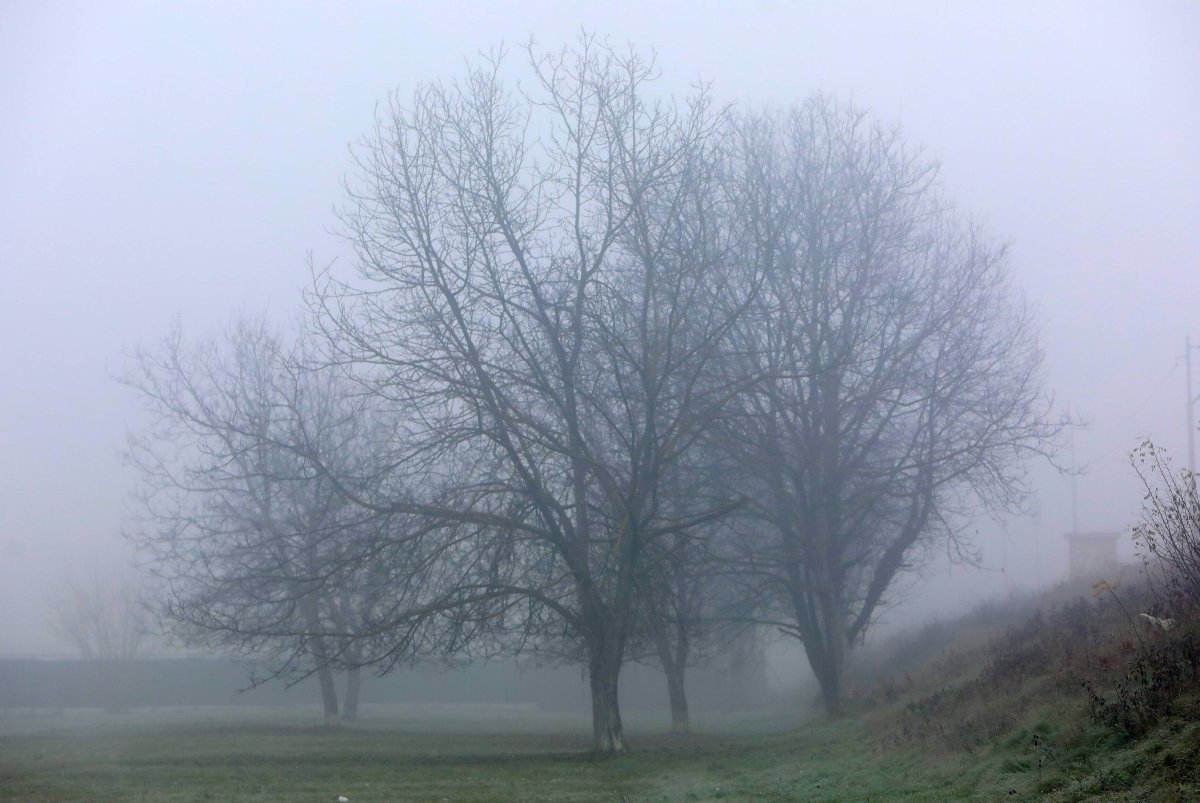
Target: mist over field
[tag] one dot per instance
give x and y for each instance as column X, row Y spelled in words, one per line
column 529, row 347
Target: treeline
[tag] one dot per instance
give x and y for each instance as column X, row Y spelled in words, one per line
column 615, row 377
column 132, row 684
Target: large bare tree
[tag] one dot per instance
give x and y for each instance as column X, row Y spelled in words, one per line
column 894, row 372
column 539, row 272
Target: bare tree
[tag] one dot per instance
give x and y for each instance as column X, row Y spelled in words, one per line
column 678, row 625
column 895, row 373
column 673, row 600
column 691, row 609
column 100, row 614
column 255, row 549
column 529, row 263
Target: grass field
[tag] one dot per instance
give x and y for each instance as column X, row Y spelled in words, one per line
column 988, row 708
column 440, row 753
column 499, row 753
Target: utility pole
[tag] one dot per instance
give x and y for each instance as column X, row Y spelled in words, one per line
column 1074, row 487
column 1191, row 404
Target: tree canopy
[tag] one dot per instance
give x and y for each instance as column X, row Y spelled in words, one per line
column 610, row 368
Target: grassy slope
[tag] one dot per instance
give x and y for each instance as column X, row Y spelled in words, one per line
column 1001, row 692
column 987, row 708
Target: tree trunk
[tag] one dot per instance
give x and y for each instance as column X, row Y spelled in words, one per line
column 824, row 634
column 604, row 668
column 353, row 684
column 674, row 669
column 831, row 690
column 316, row 646
column 679, row 704
column 328, row 693
column 828, row 660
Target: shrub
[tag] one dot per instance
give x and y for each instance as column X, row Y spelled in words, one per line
column 1149, row 690
column 1168, row 535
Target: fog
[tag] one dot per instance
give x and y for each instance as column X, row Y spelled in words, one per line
column 181, row 161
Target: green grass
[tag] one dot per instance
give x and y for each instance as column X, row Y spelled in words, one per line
column 499, row 753
column 982, row 710
column 448, row 754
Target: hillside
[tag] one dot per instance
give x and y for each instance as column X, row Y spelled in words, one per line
column 1071, row 694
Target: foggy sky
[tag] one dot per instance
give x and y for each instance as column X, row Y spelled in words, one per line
column 181, row 159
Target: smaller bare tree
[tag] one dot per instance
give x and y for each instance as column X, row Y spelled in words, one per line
column 99, row 614
column 252, row 548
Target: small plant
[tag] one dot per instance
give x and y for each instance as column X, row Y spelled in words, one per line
column 1044, row 752
column 1105, row 587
